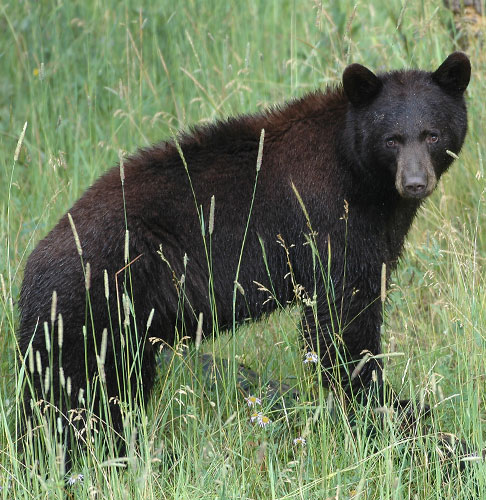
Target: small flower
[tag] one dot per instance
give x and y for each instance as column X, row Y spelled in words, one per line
column 255, row 417
column 300, row 440
column 311, row 357
column 253, row 401
column 75, row 478
column 263, row 421
column 260, row 419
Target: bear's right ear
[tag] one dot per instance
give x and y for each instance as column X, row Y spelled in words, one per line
column 454, row 73
column 360, row 84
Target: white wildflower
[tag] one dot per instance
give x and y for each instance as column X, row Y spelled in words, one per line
column 311, row 357
column 253, row 401
column 75, row 478
column 300, row 440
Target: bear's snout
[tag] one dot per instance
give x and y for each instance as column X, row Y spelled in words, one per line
column 415, row 177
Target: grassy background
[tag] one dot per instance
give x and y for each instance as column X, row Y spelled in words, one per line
column 95, row 77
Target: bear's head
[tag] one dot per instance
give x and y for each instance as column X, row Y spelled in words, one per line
column 404, row 128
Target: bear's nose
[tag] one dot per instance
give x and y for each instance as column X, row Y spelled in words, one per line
column 415, row 186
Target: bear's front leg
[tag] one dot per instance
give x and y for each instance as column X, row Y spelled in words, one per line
column 344, row 328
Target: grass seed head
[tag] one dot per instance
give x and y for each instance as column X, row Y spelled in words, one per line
column 19, row 143
column 87, row 276
column 4, row 289
column 47, row 380
column 76, row 236
column 107, row 287
column 126, row 309
column 30, row 358
column 60, row 331
column 211, row 216
column 260, row 151
column 150, row 318
column 199, row 331
column 104, row 342
column 62, row 378
column 53, row 306
column 127, row 240
column 59, row 425
column 47, row 337
column 383, row 282
column 122, row 166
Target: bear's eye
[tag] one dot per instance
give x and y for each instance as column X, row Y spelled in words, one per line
column 432, row 138
column 391, row 143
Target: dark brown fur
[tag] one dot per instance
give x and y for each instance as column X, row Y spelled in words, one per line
column 322, row 144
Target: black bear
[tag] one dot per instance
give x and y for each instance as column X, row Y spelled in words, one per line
column 172, row 231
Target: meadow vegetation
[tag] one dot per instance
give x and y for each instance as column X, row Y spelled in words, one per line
column 94, row 80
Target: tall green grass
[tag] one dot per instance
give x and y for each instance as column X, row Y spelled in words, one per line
column 94, row 79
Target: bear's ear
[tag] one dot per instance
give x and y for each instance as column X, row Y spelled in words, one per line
column 360, row 84
column 454, row 73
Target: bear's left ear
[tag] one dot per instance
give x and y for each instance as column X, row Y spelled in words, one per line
column 454, row 73
column 360, row 84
